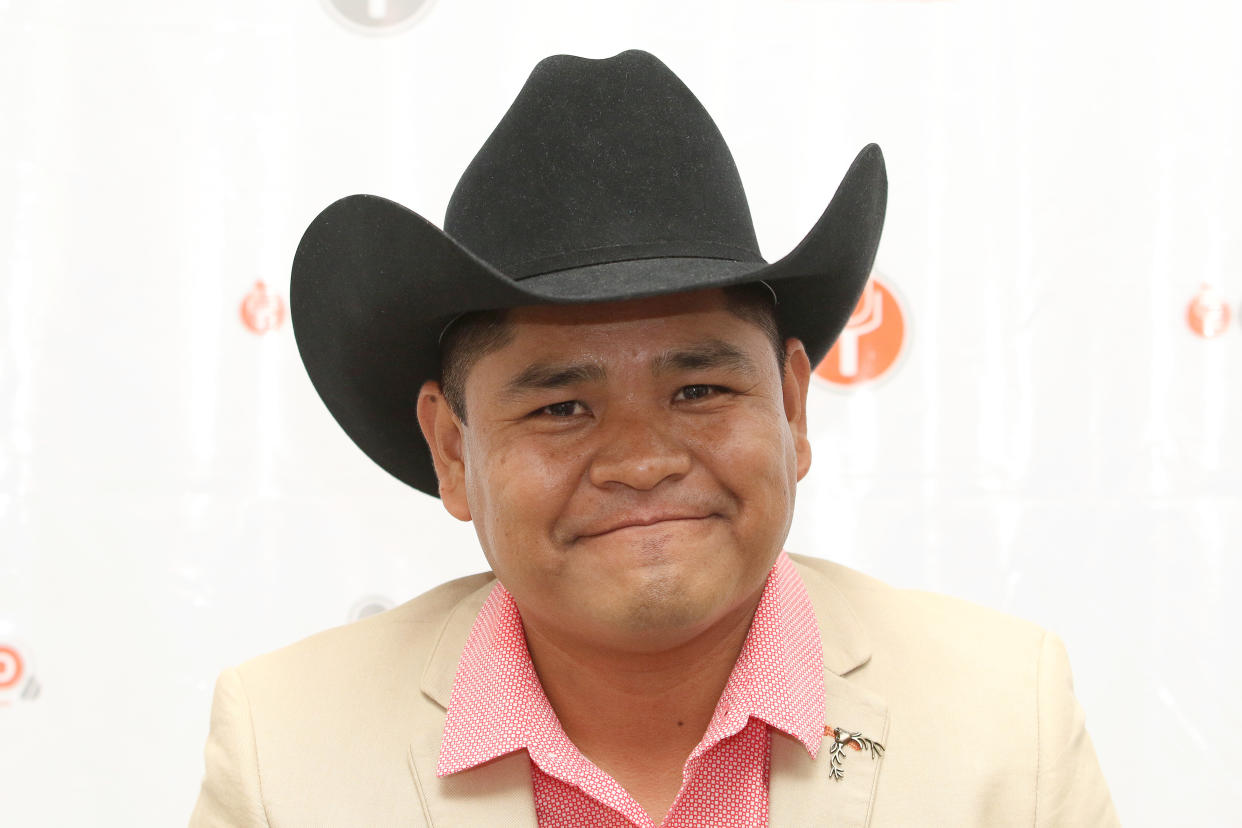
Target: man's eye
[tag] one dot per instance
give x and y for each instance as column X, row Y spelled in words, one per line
column 699, row 392
column 562, row 409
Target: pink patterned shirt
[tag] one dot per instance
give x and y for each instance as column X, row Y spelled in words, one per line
column 498, row 706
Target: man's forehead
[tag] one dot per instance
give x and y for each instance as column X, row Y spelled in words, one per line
column 681, row 320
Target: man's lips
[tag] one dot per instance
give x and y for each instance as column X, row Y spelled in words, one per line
column 639, row 520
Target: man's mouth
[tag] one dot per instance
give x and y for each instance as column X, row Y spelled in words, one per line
column 635, row 521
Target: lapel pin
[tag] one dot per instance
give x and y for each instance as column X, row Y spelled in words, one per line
column 836, row 750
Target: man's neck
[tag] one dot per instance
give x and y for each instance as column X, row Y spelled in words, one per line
column 638, row 715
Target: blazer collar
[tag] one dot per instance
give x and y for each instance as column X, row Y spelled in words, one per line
column 846, row 643
column 441, row 669
column 799, row 788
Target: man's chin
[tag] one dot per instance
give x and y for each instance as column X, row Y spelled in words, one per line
column 661, row 616
column 666, row 610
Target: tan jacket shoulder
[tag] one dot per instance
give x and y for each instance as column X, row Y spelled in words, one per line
column 983, row 711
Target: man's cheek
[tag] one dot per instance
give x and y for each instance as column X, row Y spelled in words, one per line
column 531, row 472
column 741, row 449
column 520, row 484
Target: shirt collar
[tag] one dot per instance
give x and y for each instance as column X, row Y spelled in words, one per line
column 779, row 674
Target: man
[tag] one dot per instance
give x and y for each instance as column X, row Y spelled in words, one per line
column 611, row 384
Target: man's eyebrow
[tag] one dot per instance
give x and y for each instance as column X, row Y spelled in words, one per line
column 714, row 353
column 543, row 376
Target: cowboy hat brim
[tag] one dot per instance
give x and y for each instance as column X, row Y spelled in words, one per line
column 374, row 284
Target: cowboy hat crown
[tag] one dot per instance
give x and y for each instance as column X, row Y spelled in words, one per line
column 601, row 161
column 605, row 180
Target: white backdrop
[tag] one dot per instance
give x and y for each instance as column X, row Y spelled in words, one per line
column 1055, row 439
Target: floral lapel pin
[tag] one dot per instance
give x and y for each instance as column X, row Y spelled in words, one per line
column 836, row 750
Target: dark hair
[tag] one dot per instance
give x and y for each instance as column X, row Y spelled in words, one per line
column 474, row 335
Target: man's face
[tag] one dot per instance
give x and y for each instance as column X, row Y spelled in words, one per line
column 630, row 467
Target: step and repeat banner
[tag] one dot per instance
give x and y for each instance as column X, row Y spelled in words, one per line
column 1034, row 407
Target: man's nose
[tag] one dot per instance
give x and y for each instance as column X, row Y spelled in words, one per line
column 638, row 453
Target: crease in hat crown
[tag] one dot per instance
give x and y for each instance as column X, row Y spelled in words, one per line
column 600, row 161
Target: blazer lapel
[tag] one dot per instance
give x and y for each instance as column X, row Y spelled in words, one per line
column 496, row 793
column 802, row 790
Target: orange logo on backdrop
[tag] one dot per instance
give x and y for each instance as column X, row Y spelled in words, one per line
column 262, row 310
column 872, row 340
column 11, row 667
column 1208, row 313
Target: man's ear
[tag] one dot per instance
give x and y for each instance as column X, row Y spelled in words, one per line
column 794, row 387
column 443, row 432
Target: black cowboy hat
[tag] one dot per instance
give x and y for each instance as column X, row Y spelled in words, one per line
column 605, row 180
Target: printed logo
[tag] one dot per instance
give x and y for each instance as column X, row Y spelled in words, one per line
column 377, row 16
column 370, row 605
column 1208, row 313
column 872, row 341
column 17, row 682
column 11, row 667
column 262, row 311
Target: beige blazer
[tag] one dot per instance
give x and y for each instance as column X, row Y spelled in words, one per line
column 975, row 709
